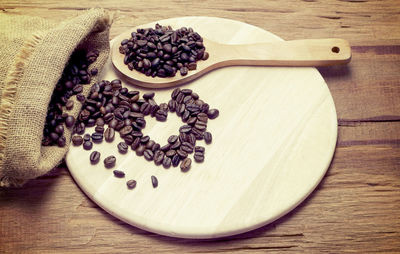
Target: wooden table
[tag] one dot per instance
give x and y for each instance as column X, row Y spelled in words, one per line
column 356, row 208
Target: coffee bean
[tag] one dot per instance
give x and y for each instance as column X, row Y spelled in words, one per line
column 207, row 137
column 175, row 93
column 205, row 56
column 176, row 145
column 172, row 139
column 86, row 137
column 191, row 121
column 99, row 129
column 199, row 149
column 187, row 147
column 145, row 108
column 94, row 157
column 119, row 173
column 110, row 161
column 170, row 153
column 140, row 150
column 180, row 109
column 166, row 162
column 191, row 139
column 148, row 96
column 154, row 181
column 185, row 128
column 158, row 157
column 80, row 97
column 182, row 154
column 94, row 72
column 59, row 129
column 200, row 125
column 77, row 89
column 148, row 154
column 183, row 137
column 213, row 113
column 186, row 91
column 122, row 147
column 144, row 139
column 69, row 121
column 175, row 160
column 198, row 157
column 204, row 108
column 61, row 141
column 135, row 143
column 69, row 105
column 126, row 130
column 172, row 105
column 131, row 184
column 202, row 117
column 77, row 140
column 184, row 71
column 179, row 98
column 109, row 134
column 97, row 137
column 165, row 148
column 192, row 66
column 161, row 115
column 87, row 145
column 137, row 134
column 54, row 136
column 150, row 144
column 185, row 165
column 156, row 147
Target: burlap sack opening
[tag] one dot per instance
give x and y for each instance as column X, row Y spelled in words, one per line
column 33, row 54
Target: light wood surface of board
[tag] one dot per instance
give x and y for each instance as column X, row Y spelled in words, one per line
column 272, row 144
column 356, row 207
column 299, row 53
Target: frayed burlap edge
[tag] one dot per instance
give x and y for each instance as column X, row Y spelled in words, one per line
column 7, row 102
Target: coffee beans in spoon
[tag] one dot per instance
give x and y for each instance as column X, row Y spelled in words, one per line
column 162, row 51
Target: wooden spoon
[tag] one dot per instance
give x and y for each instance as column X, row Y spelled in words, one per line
column 308, row 53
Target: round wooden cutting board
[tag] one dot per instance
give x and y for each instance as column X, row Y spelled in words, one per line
column 272, row 144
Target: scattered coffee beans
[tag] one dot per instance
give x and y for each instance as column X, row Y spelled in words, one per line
column 94, row 157
column 185, row 165
column 162, row 51
column 77, row 140
column 119, row 173
column 74, row 75
column 122, row 147
column 112, row 108
column 87, row 145
column 109, row 162
column 131, row 184
column 154, row 181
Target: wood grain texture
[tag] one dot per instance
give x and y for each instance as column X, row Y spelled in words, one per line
column 356, row 207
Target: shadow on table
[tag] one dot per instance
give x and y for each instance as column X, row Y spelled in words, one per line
column 336, row 71
column 34, row 193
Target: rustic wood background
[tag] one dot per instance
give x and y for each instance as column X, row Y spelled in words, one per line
column 356, row 208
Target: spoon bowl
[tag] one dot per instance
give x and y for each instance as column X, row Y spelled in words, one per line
column 299, row 53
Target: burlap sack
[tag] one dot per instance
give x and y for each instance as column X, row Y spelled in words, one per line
column 33, row 54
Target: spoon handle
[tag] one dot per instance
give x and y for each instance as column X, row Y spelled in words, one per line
column 309, row 52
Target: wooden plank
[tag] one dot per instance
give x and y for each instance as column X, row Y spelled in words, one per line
column 356, row 207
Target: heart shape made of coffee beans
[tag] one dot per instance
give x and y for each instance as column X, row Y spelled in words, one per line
column 123, row 110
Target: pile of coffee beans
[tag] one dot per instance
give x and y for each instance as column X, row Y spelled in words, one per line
column 162, row 51
column 112, row 108
column 71, row 83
